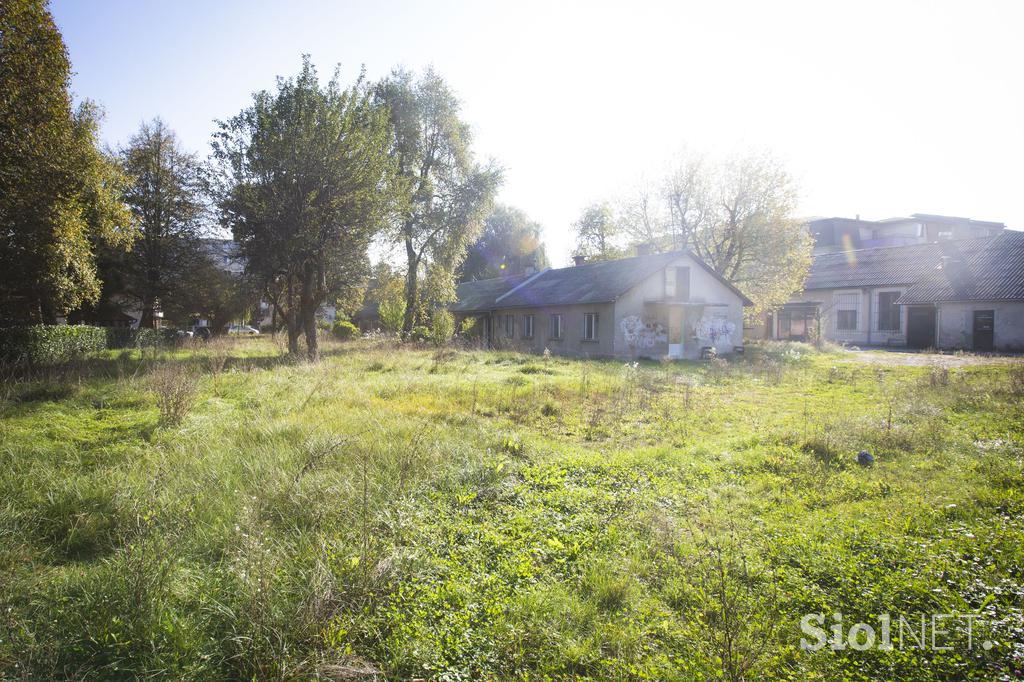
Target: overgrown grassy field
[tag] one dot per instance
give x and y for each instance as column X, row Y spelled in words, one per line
column 398, row 513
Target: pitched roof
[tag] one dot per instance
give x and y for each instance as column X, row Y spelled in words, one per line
column 974, row 270
column 883, row 266
column 480, row 295
column 598, row 282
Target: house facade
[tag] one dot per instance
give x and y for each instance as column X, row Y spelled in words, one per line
column 833, row 235
column 653, row 306
column 951, row 294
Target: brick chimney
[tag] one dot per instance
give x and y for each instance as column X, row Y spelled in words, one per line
column 644, row 249
column 579, row 259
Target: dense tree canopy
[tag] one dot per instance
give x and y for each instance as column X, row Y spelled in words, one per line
column 446, row 193
column 305, row 186
column 166, row 196
column 736, row 215
column 60, row 197
column 599, row 233
column 510, row 243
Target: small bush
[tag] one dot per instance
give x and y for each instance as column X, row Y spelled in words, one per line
column 419, row 334
column 344, row 330
column 442, row 326
column 175, row 387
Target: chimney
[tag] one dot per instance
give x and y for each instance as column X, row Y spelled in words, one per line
column 529, row 270
column 644, row 249
column 579, row 259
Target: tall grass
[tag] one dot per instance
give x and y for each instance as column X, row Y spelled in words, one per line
column 226, row 513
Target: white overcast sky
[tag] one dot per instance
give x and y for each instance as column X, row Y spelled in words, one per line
column 878, row 108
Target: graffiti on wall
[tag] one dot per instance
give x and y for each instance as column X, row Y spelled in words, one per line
column 642, row 333
column 714, row 328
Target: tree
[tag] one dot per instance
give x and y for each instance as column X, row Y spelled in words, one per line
column 510, row 242
column 743, row 227
column 166, row 197
column 60, row 197
column 737, row 216
column 387, row 291
column 306, row 184
column 446, row 194
column 211, row 293
column 598, row 233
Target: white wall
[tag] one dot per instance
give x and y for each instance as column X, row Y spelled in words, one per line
column 704, row 288
column 956, row 325
column 867, row 331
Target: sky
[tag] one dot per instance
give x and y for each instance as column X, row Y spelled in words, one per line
column 878, row 109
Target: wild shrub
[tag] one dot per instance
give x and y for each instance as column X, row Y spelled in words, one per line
column 736, row 600
column 174, row 386
column 218, row 352
column 1015, row 379
column 343, row 330
column 513, row 445
column 442, row 326
column 938, row 376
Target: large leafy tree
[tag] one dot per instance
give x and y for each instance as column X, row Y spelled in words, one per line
column 446, row 193
column 510, row 243
column 166, row 196
column 60, row 197
column 305, row 186
column 599, row 233
column 737, row 215
column 210, row 292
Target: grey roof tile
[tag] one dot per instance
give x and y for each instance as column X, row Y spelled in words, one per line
column 598, row 282
column 883, row 266
column 480, row 295
column 974, row 270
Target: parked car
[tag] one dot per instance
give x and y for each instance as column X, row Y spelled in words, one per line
column 243, row 330
column 202, row 332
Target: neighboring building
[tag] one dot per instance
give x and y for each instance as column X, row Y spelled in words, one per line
column 663, row 305
column 851, row 234
column 977, row 295
column 367, row 318
column 956, row 293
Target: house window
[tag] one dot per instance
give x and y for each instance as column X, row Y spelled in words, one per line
column 590, row 326
column 847, row 312
column 677, row 284
column 527, row 326
column 510, row 326
column 888, row 311
column 556, row 326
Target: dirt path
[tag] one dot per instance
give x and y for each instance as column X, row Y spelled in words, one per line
column 916, row 359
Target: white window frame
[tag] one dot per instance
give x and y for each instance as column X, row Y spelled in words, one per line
column 555, row 330
column 852, row 303
column 510, row 326
column 527, row 326
column 590, row 326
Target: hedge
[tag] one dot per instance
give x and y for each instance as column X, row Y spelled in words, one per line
column 50, row 344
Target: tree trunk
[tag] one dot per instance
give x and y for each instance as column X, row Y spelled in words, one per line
column 148, row 318
column 307, row 311
column 411, row 284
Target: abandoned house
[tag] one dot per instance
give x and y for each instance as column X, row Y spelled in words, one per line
column 653, row 305
column 949, row 294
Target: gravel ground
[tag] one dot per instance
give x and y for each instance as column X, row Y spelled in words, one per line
column 918, row 359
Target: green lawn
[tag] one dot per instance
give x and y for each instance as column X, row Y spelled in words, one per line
column 487, row 515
